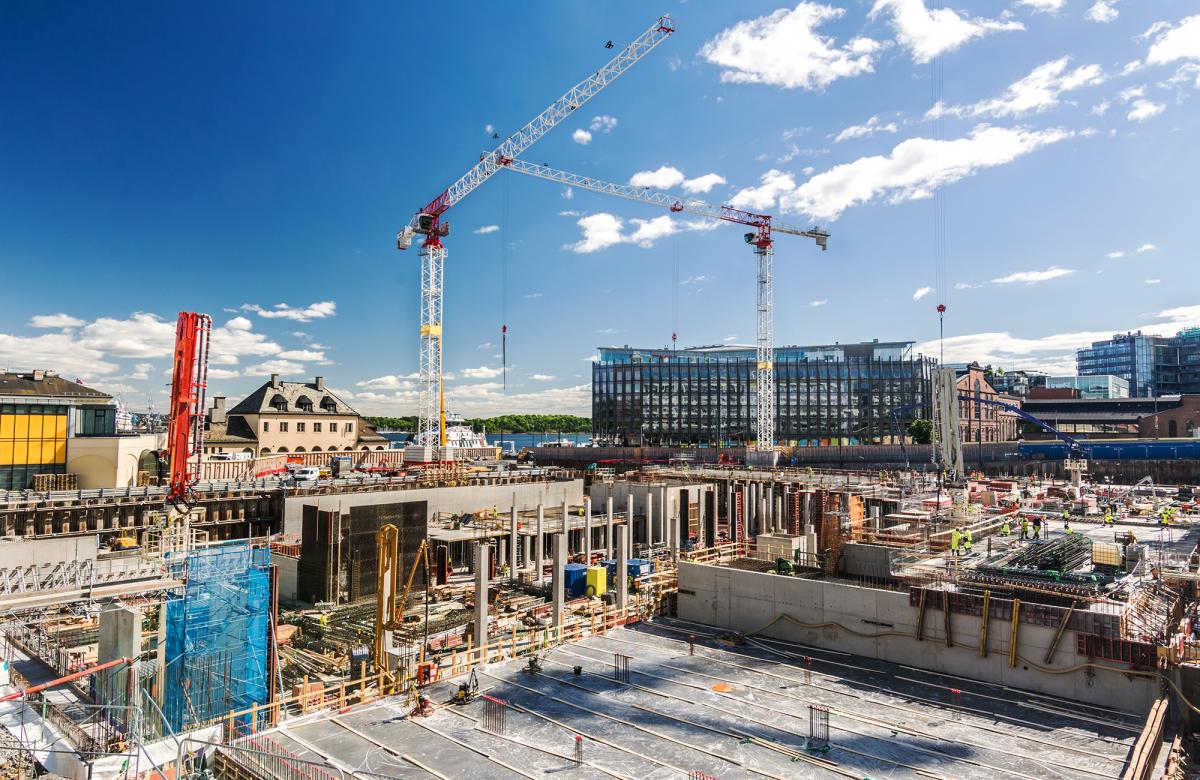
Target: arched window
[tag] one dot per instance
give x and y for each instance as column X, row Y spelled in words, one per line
column 365, row 448
column 279, row 403
column 304, row 403
column 265, row 451
column 349, row 449
column 248, row 449
column 316, row 449
column 1172, row 429
column 381, row 447
column 283, row 450
column 299, row 449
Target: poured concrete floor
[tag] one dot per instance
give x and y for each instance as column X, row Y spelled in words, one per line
column 729, row 711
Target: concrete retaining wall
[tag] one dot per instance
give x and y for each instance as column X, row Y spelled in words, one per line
column 745, row 601
column 464, row 498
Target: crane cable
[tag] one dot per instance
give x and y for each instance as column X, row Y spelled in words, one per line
column 504, row 226
column 940, row 220
column 674, row 290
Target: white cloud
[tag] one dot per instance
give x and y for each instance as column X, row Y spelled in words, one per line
column 819, row 302
column 284, row 367
column 223, row 373
column 55, row 352
column 59, row 320
column 966, row 286
column 314, row 311
column 1115, row 255
column 483, row 230
column 664, row 178
column 143, row 335
column 236, row 339
column 607, row 330
column 868, row 128
column 774, row 184
column 674, row 62
column 1144, row 109
column 542, row 377
column 570, row 213
column 784, row 49
column 1101, row 108
column 568, row 193
column 1043, row 6
column 602, row 230
column 698, row 279
column 703, row 183
column 489, row 129
column 1153, row 281
column 391, row 382
column 603, row 124
column 141, row 371
column 1035, row 92
column 1055, row 353
column 1102, row 11
column 914, row 169
column 592, row 359
column 732, row 337
column 1033, row 277
column 1177, row 43
column 532, row 296
column 482, row 372
column 485, row 345
column 928, row 33
column 302, row 355
column 1146, row 248
column 582, row 137
column 921, row 293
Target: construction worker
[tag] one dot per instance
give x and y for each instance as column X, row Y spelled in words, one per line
column 1006, row 529
column 955, row 541
column 1024, row 528
column 967, row 540
column 1068, row 530
column 1108, row 515
column 1037, row 528
column 1066, row 517
column 1164, row 516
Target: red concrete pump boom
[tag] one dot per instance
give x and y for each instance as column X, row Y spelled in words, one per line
column 189, row 380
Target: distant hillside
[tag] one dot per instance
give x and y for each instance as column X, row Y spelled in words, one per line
column 507, row 423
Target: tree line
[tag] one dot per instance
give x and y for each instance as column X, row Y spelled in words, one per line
column 507, row 423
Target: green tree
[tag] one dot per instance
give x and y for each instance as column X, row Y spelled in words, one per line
column 921, row 431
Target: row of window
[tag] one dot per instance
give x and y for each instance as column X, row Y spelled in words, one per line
column 21, row 477
column 300, row 450
column 301, row 427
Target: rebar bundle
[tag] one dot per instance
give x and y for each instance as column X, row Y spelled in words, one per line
column 1065, row 554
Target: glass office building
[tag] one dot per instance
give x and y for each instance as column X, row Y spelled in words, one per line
column 1092, row 385
column 1150, row 364
column 705, row 396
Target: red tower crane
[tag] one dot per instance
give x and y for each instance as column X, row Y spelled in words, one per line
column 189, row 381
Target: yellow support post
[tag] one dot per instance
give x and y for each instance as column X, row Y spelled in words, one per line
column 1012, row 638
column 983, row 624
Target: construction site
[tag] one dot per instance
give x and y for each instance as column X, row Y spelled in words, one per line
column 439, row 612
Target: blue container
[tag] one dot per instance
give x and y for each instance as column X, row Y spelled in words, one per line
column 611, row 565
column 639, row 567
column 575, row 577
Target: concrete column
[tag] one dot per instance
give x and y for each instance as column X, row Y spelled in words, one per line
column 622, row 556
column 558, row 543
column 527, row 549
column 512, row 543
column 730, row 509
column 120, row 637
column 587, row 530
column 779, row 524
column 539, row 550
column 701, row 516
column 481, row 598
column 649, row 517
column 501, row 553
column 608, row 529
column 566, row 526
column 674, row 521
column 664, row 515
column 628, row 514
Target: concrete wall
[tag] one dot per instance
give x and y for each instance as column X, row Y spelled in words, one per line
column 15, row 553
column 746, row 601
column 288, row 579
column 109, row 461
column 468, row 498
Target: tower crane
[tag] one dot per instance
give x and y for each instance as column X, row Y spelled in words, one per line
column 760, row 239
column 429, row 222
column 189, row 381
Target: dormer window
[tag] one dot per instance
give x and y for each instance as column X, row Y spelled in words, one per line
column 328, row 404
column 279, row 403
column 304, row 403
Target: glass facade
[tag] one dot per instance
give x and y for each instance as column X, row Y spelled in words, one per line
column 33, row 440
column 1188, row 342
column 686, row 398
column 1150, row 364
column 1092, row 385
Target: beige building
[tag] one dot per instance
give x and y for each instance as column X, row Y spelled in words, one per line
column 288, row 417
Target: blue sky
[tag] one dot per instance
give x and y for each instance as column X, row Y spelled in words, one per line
column 254, row 161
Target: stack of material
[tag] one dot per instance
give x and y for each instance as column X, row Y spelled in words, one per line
column 1059, row 564
column 43, row 483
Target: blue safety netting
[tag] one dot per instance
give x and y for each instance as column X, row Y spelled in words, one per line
column 217, row 633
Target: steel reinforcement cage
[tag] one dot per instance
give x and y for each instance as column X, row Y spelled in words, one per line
column 216, row 645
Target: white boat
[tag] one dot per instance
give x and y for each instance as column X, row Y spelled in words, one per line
column 458, row 434
column 564, row 442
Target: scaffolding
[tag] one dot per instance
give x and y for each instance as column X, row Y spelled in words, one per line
column 215, row 656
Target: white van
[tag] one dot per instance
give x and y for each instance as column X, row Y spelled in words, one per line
column 307, row 474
